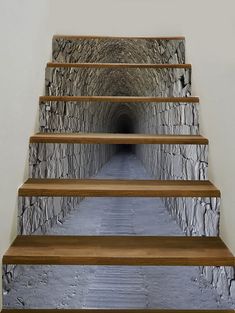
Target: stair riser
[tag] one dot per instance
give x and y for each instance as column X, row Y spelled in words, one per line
column 37, row 215
column 117, row 50
column 149, row 82
column 196, row 215
column 128, row 285
column 67, row 160
column 150, row 118
column 178, row 162
column 222, row 279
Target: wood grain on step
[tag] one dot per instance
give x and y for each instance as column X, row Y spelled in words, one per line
column 120, row 99
column 114, row 138
column 119, row 65
column 119, row 250
column 118, row 188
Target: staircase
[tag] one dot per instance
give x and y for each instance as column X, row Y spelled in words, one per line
column 95, row 87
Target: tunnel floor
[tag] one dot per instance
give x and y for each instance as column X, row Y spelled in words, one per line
column 115, row 286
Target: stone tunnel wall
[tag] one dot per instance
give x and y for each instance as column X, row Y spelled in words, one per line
column 36, row 215
column 157, row 118
column 118, row 50
column 182, row 162
column 118, row 81
column 196, row 216
column 78, row 161
column 222, row 279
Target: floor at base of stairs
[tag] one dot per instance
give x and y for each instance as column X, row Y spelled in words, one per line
column 114, row 286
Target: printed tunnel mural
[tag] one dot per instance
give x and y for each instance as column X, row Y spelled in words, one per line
column 118, row 211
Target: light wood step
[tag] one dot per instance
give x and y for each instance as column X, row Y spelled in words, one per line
column 114, row 138
column 118, row 188
column 119, row 99
column 119, row 250
column 118, row 65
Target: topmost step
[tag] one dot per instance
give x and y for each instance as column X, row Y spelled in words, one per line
column 89, row 49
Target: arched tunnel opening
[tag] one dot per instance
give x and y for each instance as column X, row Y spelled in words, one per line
column 115, row 216
column 120, row 81
column 125, row 125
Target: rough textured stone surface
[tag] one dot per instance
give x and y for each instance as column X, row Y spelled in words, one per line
column 67, row 160
column 9, row 274
column 184, row 162
column 150, row 118
column 53, row 160
column 222, row 279
column 82, row 81
column 165, row 287
column 192, row 215
column 38, row 214
column 118, row 50
column 196, row 216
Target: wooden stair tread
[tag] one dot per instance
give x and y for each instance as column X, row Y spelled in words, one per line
column 118, row 188
column 114, row 138
column 118, row 65
column 119, row 250
column 117, row 37
column 121, row 99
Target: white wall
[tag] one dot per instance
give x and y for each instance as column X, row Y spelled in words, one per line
column 26, row 28
column 24, row 49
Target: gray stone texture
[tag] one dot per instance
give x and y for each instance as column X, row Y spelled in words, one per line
column 118, row 50
column 183, row 162
column 9, row 274
column 151, row 117
column 54, row 160
column 36, row 215
column 195, row 216
column 113, row 287
column 163, row 287
column 222, row 279
column 116, row 81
